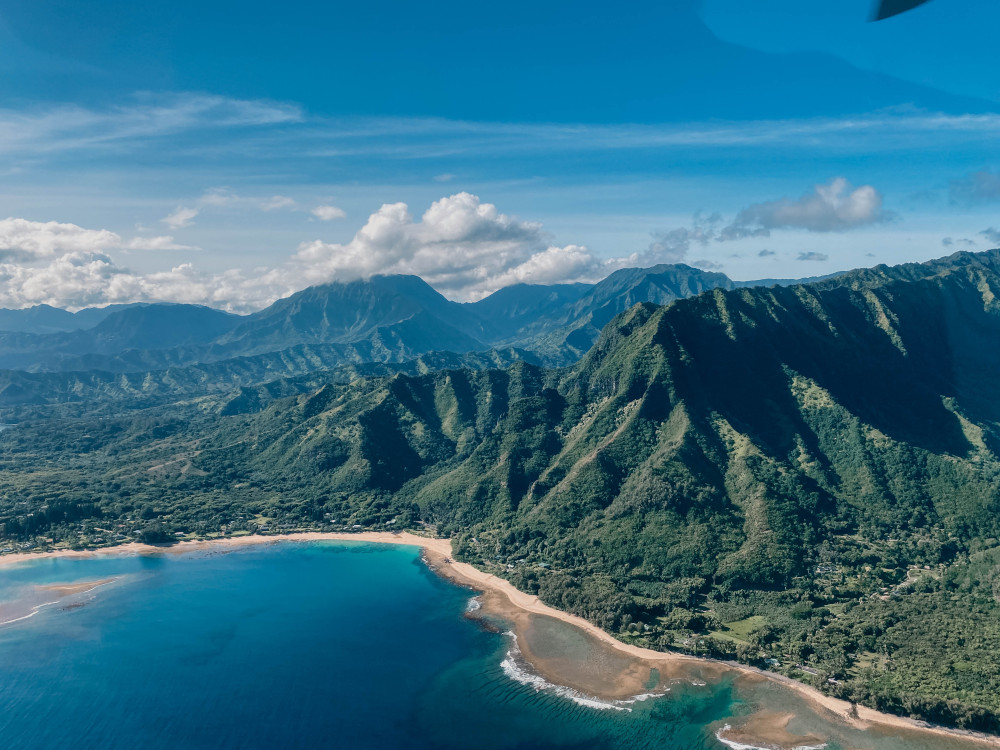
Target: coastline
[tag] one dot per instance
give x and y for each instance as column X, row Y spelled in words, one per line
column 503, row 599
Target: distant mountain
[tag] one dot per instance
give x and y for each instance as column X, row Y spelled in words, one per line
column 47, row 319
column 153, row 327
column 566, row 335
column 514, row 312
column 381, row 319
column 383, row 307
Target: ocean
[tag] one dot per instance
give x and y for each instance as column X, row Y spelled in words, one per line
column 294, row 645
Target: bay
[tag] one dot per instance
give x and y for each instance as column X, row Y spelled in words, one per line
column 344, row 645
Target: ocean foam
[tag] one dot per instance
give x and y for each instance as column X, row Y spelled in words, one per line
column 643, row 697
column 34, row 611
column 474, row 604
column 524, row 676
column 38, row 607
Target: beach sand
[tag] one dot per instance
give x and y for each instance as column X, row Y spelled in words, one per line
column 627, row 668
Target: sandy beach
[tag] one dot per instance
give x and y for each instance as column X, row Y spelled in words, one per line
column 501, row 599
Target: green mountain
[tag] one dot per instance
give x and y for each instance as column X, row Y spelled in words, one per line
column 804, row 474
column 249, row 382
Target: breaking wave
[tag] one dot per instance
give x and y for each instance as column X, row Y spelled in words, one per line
column 741, row 746
column 524, row 676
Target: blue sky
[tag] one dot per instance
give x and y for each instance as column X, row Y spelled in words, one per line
column 229, row 153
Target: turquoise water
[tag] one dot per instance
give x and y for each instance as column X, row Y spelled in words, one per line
column 288, row 646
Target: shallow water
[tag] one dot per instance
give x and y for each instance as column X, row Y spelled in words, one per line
column 302, row 645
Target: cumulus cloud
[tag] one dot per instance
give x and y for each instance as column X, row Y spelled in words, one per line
column 978, row 187
column 328, row 213
column 82, row 279
column 463, row 247
column 181, row 217
column 813, row 255
column 992, row 236
column 24, row 240
column 834, row 207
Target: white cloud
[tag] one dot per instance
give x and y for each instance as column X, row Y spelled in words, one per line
column 834, row 207
column 24, row 239
column 328, row 213
column 81, row 279
column 463, row 247
column 277, row 202
column 554, row 265
column 180, row 218
column 165, row 242
column 813, row 256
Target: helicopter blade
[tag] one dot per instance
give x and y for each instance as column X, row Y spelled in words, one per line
column 890, row 8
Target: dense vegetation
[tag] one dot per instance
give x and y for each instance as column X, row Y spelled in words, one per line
column 804, row 478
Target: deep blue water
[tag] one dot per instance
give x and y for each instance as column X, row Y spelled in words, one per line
column 289, row 646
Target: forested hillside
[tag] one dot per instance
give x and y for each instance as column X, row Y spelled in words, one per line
column 807, row 475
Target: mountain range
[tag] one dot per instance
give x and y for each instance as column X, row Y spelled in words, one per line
column 53, row 356
column 805, row 477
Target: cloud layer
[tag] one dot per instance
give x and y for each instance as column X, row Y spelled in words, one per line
column 464, row 247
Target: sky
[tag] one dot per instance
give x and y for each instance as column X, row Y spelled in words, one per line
column 232, row 153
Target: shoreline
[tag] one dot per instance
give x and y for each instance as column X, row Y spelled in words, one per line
column 438, row 553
